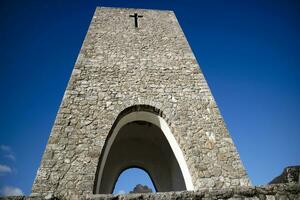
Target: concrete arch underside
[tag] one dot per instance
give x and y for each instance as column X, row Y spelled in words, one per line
column 143, row 139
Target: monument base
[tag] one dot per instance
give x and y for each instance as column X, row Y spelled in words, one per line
column 274, row 191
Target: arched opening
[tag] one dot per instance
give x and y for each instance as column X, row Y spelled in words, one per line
column 142, row 139
column 134, row 180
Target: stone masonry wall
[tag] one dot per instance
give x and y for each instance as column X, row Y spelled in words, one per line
column 120, row 66
column 270, row 192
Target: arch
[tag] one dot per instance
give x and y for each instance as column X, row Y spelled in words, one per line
column 135, row 167
column 130, row 119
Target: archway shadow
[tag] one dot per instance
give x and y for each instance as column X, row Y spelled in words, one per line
column 141, row 137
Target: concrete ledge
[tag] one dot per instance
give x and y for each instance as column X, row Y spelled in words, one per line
column 268, row 192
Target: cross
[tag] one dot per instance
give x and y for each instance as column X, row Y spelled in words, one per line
column 136, row 16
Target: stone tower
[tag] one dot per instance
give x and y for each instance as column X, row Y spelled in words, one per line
column 137, row 97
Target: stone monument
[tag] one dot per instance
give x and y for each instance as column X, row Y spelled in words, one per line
column 137, row 98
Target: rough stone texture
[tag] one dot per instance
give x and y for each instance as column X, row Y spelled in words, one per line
column 274, row 192
column 270, row 192
column 120, row 66
column 290, row 174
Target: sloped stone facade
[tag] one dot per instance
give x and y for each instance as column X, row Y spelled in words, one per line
column 121, row 66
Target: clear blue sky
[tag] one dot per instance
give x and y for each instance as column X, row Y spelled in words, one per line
column 129, row 178
column 248, row 50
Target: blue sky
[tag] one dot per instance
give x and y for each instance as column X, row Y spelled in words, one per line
column 248, row 50
column 129, row 178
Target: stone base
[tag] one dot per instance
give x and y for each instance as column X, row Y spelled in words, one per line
column 268, row 192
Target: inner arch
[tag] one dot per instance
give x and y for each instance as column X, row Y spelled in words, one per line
column 132, row 177
column 143, row 139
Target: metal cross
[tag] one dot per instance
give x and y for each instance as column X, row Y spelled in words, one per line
column 136, row 16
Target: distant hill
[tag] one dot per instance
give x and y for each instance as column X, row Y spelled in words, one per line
column 290, row 174
column 141, row 189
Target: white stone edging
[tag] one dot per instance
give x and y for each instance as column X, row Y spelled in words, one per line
column 162, row 124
